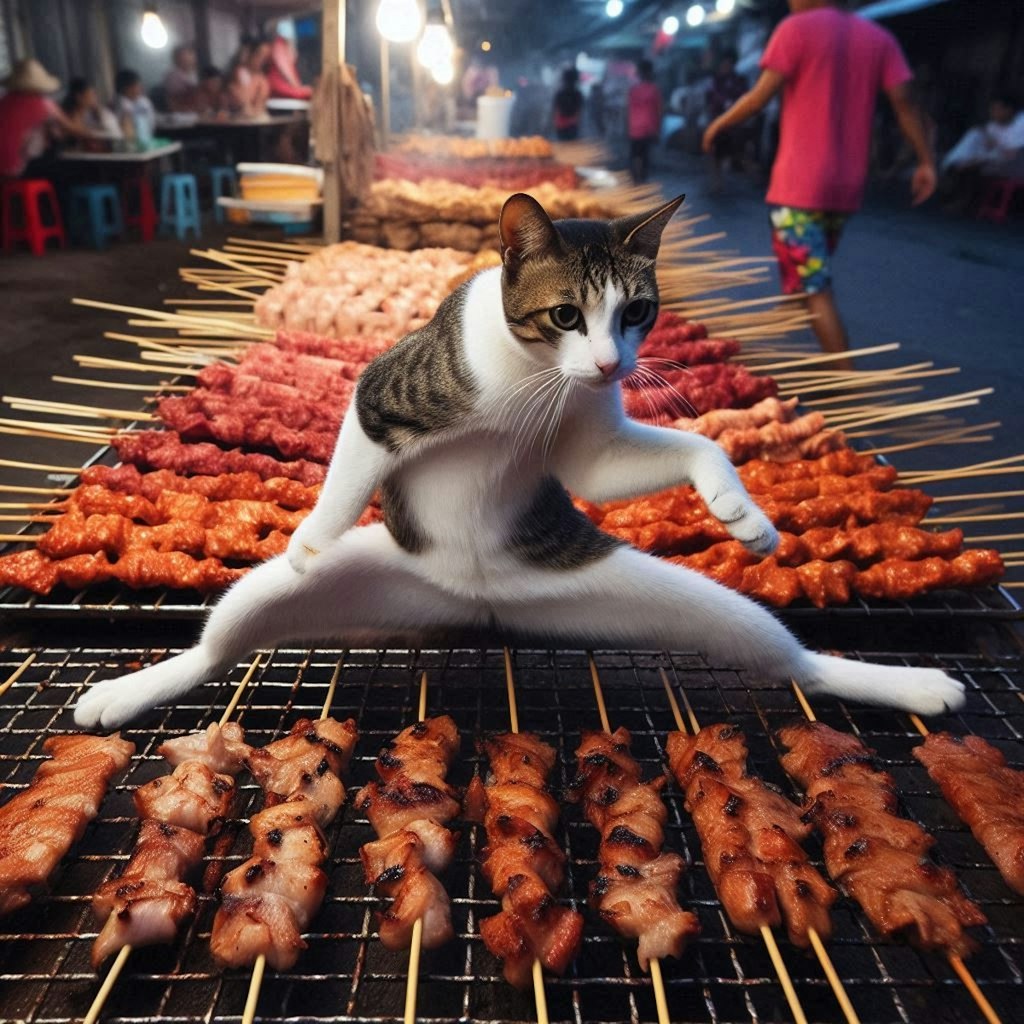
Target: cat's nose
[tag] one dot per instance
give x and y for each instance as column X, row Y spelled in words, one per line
column 607, row 369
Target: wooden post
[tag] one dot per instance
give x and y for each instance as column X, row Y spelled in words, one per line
column 328, row 123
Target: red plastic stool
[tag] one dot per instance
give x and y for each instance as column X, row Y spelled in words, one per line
column 29, row 193
column 998, row 198
column 139, row 206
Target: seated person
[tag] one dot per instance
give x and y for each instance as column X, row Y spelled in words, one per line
column 30, row 121
column 132, row 108
column 210, row 97
column 993, row 147
column 247, row 88
column 83, row 108
column 181, row 83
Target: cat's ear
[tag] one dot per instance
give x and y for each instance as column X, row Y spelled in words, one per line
column 525, row 231
column 641, row 233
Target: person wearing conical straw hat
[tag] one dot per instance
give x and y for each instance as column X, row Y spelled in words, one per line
column 30, row 119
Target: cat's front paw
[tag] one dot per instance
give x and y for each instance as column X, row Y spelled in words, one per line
column 745, row 521
column 305, row 545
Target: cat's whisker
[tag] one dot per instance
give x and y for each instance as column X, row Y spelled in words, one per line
column 533, row 410
column 672, row 364
column 556, row 422
column 550, row 403
column 688, row 409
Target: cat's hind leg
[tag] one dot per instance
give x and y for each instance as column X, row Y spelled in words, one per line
column 632, row 598
column 363, row 583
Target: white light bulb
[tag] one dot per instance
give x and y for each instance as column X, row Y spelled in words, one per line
column 443, row 74
column 435, row 47
column 695, row 15
column 725, row 6
column 613, row 8
column 399, row 21
column 670, row 26
column 153, row 32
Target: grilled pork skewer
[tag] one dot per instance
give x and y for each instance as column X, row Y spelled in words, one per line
column 408, row 809
column 268, row 901
column 750, row 836
column 147, row 903
column 877, row 857
column 522, row 862
column 40, row 824
column 635, row 889
column 986, row 794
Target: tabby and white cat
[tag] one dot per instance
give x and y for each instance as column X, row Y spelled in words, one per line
column 470, row 429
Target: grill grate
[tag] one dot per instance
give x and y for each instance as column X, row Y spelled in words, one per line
column 346, row 975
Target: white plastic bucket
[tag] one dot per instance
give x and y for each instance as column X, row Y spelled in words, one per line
column 494, row 116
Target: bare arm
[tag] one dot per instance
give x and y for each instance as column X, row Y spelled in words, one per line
column 911, row 123
column 69, row 127
column 749, row 104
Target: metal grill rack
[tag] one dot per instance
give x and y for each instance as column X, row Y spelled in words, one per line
column 345, row 974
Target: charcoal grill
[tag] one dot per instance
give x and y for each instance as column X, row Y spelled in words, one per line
column 347, row 976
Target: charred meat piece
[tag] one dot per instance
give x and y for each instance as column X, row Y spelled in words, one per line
column 986, row 794
column 635, row 889
column 193, row 797
column 750, row 836
column 39, row 825
column 269, row 900
column 522, row 862
column 221, row 748
column 875, row 855
column 408, row 809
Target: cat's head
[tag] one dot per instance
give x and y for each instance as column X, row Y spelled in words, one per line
column 580, row 295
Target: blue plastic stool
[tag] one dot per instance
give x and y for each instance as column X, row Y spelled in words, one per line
column 223, row 182
column 179, row 204
column 95, row 214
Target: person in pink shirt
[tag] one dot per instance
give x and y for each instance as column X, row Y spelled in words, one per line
column 644, row 120
column 831, row 66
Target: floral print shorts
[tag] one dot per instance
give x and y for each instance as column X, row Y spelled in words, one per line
column 804, row 241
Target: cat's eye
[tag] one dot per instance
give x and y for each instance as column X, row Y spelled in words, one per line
column 638, row 312
column 566, row 318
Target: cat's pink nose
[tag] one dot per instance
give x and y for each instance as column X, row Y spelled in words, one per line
column 607, row 369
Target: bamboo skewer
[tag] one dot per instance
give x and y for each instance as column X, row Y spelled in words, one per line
column 767, row 935
column 102, row 363
column 831, row 357
column 118, row 386
column 169, row 318
column 14, row 464
column 94, row 1011
column 252, row 997
column 17, row 673
column 16, row 489
column 959, row 967
column 657, row 981
column 416, row 944
column 540, row 998
column 73, row 409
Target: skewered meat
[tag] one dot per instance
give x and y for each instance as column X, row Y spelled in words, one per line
column 985, row 793
column 877, row 857
column 39, row 824
column 635, row 890
column 222, row 748
column 147, row 903
column 408, row 809
column 750, row 836
column 522, row 863
column 272, row 897
column 165, row 449
column 194, row 796
column 248, row 486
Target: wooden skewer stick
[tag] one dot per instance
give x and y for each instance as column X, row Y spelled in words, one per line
column 17, row 489
column 17, row 673
column 217, row 257
column 117, row 966
column 161, row 315
column 994, row 518
column 917, row 479
column 18, row 538
column 831, row 357
column 994, row 537
column 954, row 961
column 89, row 382
column 866, row 396
column 73, row 409
column 835, row 982
column 657, row 981
column 149, row 343
column 54, row 436
column 416, row 943
column 962, row 436
column 101, row 363
column 14, row 464
column 540, row 997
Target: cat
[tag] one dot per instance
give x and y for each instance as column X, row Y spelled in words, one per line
column 471, row 430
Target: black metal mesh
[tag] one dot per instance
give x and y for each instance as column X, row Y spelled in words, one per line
column 346, row 975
